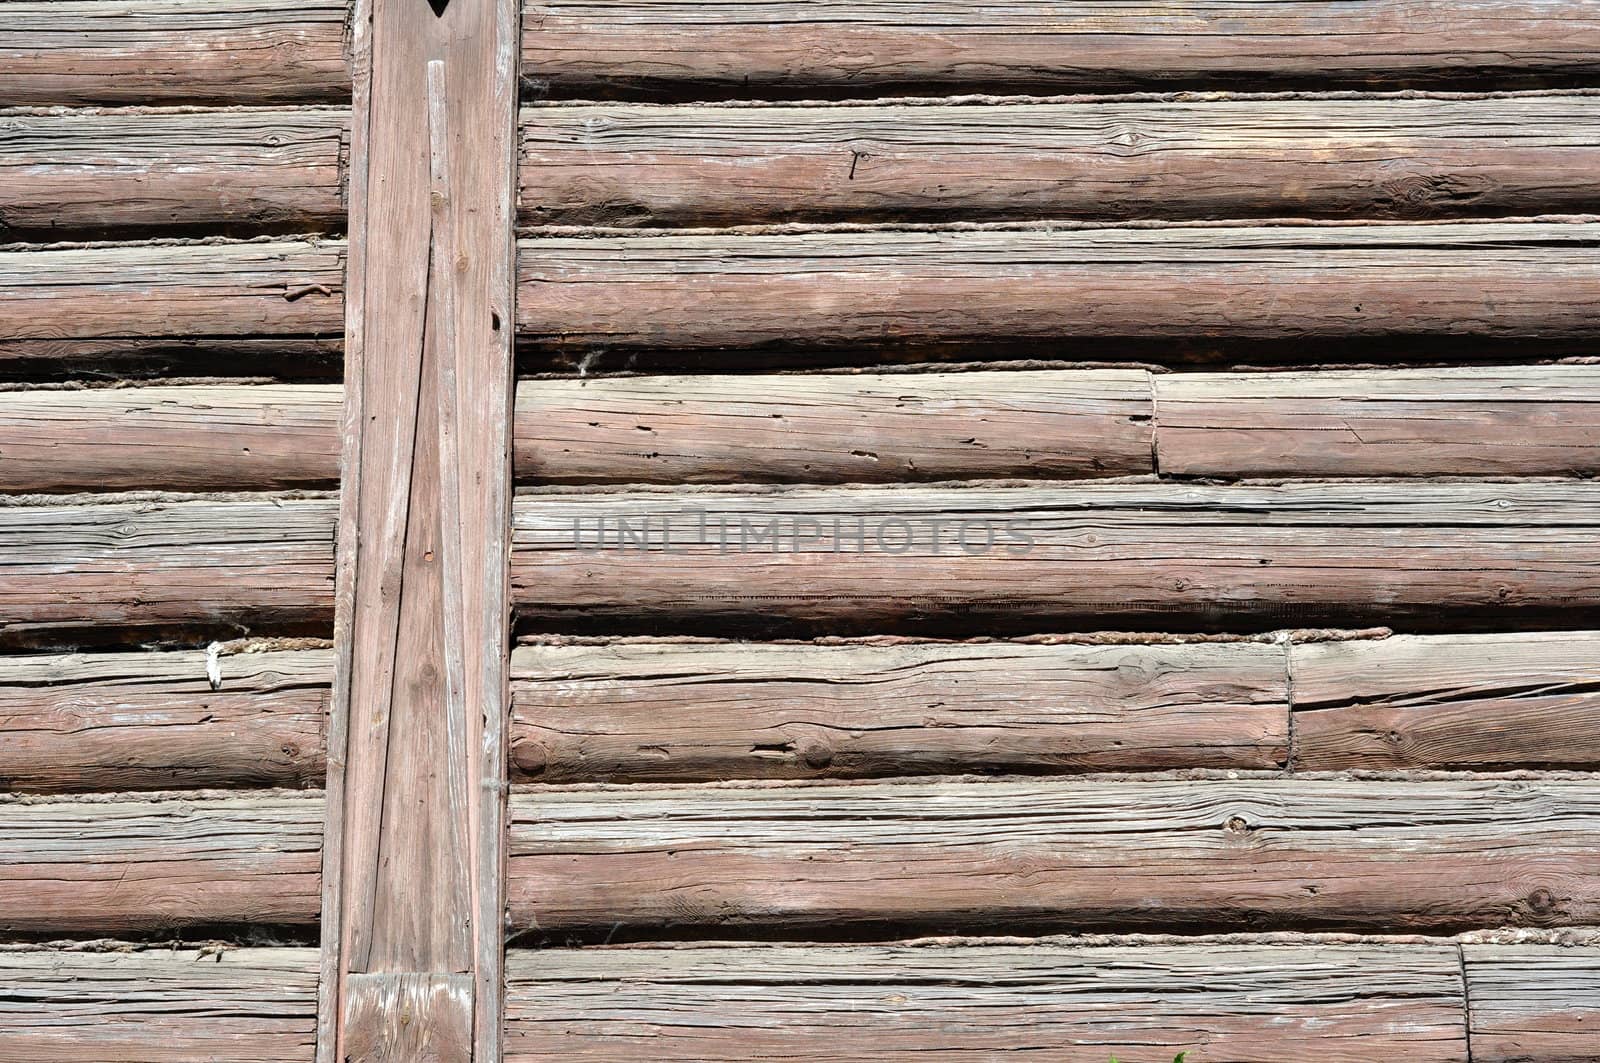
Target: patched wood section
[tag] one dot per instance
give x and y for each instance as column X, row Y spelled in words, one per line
column 419, row 1018
column 1250, row 1003
column 168, row 1005
column 74, row 52
column 65, row 173
column 125, row 864
column 827, row 289
column 1373, row 157
column 996, row 559
column 1538, row 1003
column 664, row 711
column 1493, row 421
column 151, row 721
column 1467, row 701
column 838, row 860
column 873, row 47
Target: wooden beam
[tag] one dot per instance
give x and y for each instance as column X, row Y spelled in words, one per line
column 1532, row 1002
column 413, row 884
column 1067, row 287
column 1238, row 157
column 809, row 859
column 1252, row 1003
column 75, row 52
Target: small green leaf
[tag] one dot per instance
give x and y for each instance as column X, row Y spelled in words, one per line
column 1181, row 1056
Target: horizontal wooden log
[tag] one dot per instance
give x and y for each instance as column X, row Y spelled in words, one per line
column 659, row 711
column 839, row 860
column 1532, row 1003
column 1103, row 556
column 134, row 721
column 173, row 1005
column 1130, row 556
column 128, row 865
column 1465, row 701
column 868, row 47
column 1494, row 421
column 110, row 172
column 131, row 296
column 73, row 52
column 1528, row 281
column 1256, row 1003
column 1225, row 158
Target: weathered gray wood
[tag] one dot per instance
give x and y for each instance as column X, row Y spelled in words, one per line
column 140, row 51
column 1465, row 701
column 412, row 908
column 1528, row 281
column 126, row 864
column 838, row 859
column 1376, row 157
column 1471, row 421
column 1134, row 556
column 1532, row 1003
column 112, row 172
column 167, row 1005
column 132, row 721
column 1265, row 1004
column 868, row 47
column 664, row 711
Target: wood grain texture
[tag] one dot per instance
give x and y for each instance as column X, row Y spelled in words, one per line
column 1002, row 559
column 870, row 47
column 636, row 164
column 1465, row 701
column 129, row 865
column 1529, row 281
column 1261, row 1004
column 108, row 173
column 136, row 721
column 842, row 859
column 75, row 52
column 172, row 1005
column 1532, row 1003
column 1463, row 421
column 663, row 711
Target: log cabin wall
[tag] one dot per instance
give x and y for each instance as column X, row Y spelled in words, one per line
column 1051, row 528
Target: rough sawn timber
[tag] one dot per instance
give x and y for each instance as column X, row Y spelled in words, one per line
column 1532, row 1002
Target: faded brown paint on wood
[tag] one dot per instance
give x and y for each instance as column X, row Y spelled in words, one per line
column 1532, row 1003
column 840, row 859
column 137, row 721
column 868, row 47
column 1250, row 1003
column 1491, row 421
column 1529, row 281
column 164, row 1005
column 126, row 864
column 663, row 711
column 1466, row 701
column 74, row 52
column 413, row 884
column 112, row 172
column 633, row 164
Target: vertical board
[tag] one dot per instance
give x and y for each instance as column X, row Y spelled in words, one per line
column 412, row 909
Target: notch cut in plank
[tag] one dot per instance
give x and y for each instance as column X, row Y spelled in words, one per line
column 1532, row 1002
column 815, row 859
column 1250, row 1003
column 1240, row 157
column 1479, row 702
column 796, row 48
column 659, row 711
column 157, row 864
column 161, row 1005
column 1486, row 421
column 76, row 52
column 1072, row 288
column 413, row 886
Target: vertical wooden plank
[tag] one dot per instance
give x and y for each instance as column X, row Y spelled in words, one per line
column 414, row 850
